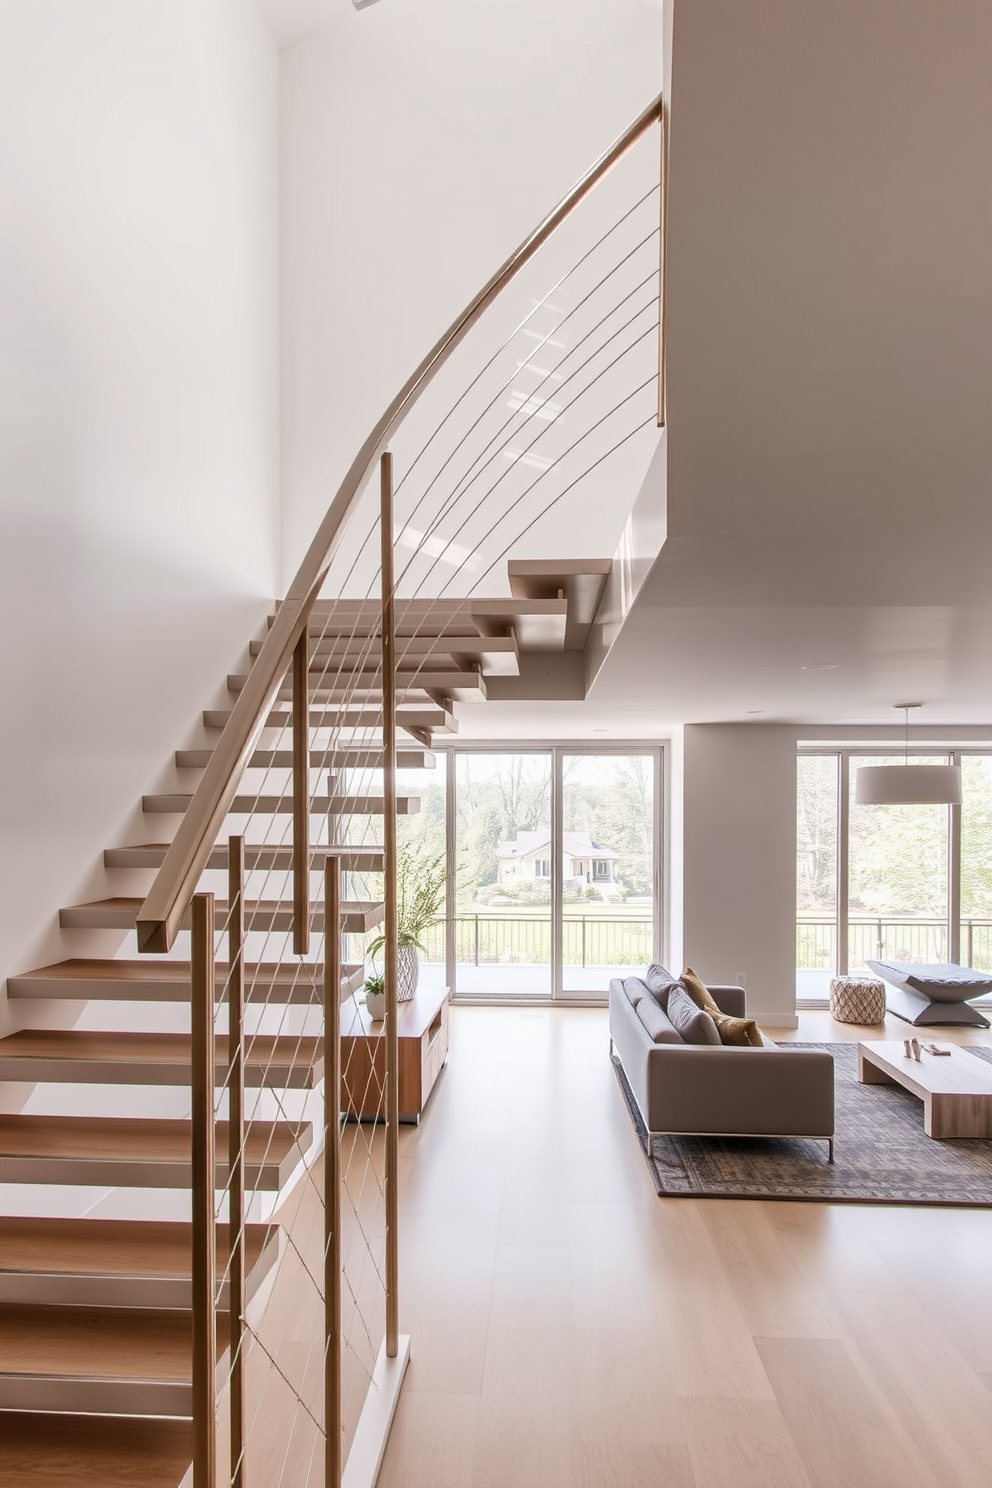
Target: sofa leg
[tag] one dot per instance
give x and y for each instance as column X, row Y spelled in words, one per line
column 650, row 1145
column 830, row 1149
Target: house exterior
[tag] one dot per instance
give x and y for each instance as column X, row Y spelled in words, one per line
column 529, row 856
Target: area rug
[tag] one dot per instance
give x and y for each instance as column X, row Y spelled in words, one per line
column 881, row 1153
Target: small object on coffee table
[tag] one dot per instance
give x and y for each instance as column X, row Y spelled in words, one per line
column 909, row 1052
column 936, row 1050
column 915, row 1045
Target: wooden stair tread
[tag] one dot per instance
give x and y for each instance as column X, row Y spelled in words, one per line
column 43, row 1450
column 427, row 718
column 332, row 759
column 121, row 913
column 169, row 981
column 175, row 803
column 538, row 623
column 159, row 1138
column 257, row 857
column 111, row 1246
column 77, row 1056
column 99, row 1342
column 461, row 686
column 339, row 657
column 117, row 1263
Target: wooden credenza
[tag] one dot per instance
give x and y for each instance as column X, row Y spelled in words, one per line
column 423, row 1045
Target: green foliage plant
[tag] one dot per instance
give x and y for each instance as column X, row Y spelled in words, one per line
column 420, row 883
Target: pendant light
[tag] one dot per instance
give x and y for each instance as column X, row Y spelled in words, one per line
column 906, row 784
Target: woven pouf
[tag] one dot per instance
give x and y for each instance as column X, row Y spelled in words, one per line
column 857, row 1000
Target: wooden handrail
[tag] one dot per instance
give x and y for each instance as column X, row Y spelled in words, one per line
column 162, row 913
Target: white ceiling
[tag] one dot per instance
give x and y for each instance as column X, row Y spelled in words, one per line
column 291, row 20
column 830, row 375
column 830, row 387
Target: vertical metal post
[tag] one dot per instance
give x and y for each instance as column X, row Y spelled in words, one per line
column 204, row 1268
column 450, row 851
column 236, row 1146
column 663, row 268
column 332, row 1172
column 301, row 794
column 954, row 876
column 390, row 949
column 843, row 862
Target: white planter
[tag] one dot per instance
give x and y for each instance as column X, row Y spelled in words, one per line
column 375, row 1002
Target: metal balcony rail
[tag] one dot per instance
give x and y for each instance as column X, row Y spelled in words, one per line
column 924, row 939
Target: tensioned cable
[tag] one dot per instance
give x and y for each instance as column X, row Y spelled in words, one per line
column 528, row 317
column 519, row 413
column 458, row 495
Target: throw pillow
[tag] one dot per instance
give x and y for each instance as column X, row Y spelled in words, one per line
column 690, row 1022
column 635, row 990
column 660, row 982
column 660, row 1030
column 699, row 992
column 740, row 1033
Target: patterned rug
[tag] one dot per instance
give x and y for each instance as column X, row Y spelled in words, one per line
column 881, row 1153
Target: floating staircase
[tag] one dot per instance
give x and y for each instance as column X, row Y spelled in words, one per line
column 94, row 1313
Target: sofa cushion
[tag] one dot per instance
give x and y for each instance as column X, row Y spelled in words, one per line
column 740, row 1033
column 660, row 982
column 691, row 1023
column 636, row 990
column 699, row 992
column 659, row 1027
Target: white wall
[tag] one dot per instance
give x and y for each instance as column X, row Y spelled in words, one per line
column 139, row 521
column 739, row 862
column 421, row 143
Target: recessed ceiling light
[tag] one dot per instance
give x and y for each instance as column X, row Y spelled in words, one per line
column 818, row 666
column 600, row 731
column 753, row 712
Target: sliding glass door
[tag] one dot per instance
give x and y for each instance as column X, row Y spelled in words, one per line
column 553, row 871
column 502, row 873
column 607, row 868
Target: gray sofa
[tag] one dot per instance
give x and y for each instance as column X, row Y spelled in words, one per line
column 704, row 1090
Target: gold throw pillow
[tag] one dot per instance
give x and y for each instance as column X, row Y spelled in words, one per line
column 741, row 1033
column 699, row 992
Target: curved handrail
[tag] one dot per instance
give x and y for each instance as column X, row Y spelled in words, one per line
column 165, row 906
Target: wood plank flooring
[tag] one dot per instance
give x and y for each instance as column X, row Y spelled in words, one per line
column 572, row 1330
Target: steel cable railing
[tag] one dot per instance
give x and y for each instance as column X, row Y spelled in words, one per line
column 309, row 1346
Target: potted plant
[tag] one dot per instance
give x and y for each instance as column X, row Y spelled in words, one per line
column 375, row 996
column 420, row 884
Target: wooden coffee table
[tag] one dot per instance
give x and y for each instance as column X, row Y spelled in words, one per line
column 956, row 1092
column 422, row 1027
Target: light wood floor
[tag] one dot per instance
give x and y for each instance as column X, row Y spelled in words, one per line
column 572, row 1330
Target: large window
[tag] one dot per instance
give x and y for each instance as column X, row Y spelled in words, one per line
column 553, row 868
column 901, row 883
column 503, row 873
column 608, row 867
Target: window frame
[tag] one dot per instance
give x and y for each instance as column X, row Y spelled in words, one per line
column 657, row 751
column 843, row 756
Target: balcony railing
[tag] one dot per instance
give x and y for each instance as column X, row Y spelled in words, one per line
column 588, row 940
column 877, row 937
